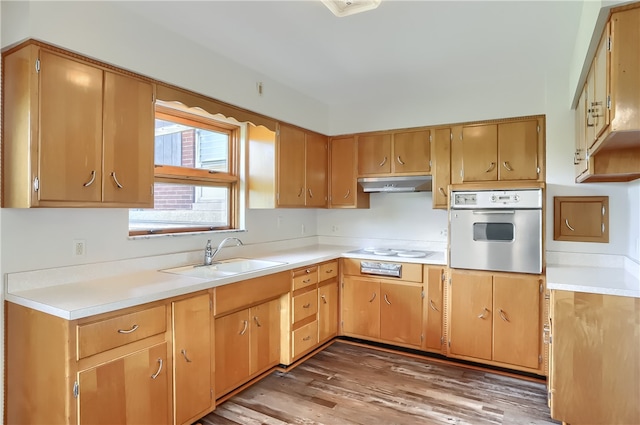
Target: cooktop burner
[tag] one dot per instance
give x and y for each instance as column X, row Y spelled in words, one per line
column 390, row 252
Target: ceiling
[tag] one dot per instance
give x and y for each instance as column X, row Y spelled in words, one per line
column 400, row 47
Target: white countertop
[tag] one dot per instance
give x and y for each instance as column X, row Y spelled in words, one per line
column 82, row 291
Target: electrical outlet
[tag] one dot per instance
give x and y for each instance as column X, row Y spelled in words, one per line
column 334, row 228
column 78, row 247
column 443, row 232
column 303, row 229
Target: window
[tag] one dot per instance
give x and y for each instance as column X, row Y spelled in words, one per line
column 196, row 175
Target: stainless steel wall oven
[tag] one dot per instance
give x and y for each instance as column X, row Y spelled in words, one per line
column 496, row 230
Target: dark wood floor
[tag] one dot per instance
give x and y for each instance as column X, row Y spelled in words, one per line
column 349, row 384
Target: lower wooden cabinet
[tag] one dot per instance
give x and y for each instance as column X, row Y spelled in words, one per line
column 192, row 358
column 496, row 318
column 129, row 390
column 328, row 299
column 247, row 344
column 434, row 308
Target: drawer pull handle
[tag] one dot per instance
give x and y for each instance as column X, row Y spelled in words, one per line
column 347, row 194
column 246, row 324
column 566, row 221
column 329, row 271
column 374, row 297
column 306, row 280
column 301, row 192
column 255, row 319
column 115, row 180
column 384, row 161
column 400, row 161
column 307, row 271
column 128, row 331
column 506, row 165
column 387, row 299
column 503, row 315
column 155, row 375
column 184, row 353
column 433, row 306
column 483, row 314
column 324, row 299
column 307, row 305
column 306, row 338
column 91, row 180
column 491, row 167
column 310, row 194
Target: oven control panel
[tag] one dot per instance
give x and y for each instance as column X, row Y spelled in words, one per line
column 485, row 199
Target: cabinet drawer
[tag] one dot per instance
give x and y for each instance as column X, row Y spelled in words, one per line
column 106, row 334
column 304, row 305
column 305, row 277
column 411, row 272
column 238, row 295
column 305, row 338
column 328, row 271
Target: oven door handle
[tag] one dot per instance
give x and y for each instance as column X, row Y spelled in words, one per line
column 483, row 212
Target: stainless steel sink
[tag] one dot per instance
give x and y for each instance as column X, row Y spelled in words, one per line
column 224, row 268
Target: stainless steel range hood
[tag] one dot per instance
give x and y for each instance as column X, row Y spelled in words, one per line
column 396, row 184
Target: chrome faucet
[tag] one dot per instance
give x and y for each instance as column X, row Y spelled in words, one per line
column 210, row 253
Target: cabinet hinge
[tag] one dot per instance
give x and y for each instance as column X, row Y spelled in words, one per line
column 540, row 359
column 541, row 287
column 421, row 337
column 451, row 136
column 37, row 65
column 608, row 101
column 441, row 341
column 609, row 44
column 36, row 184
column 151, row 189
column 461, row 173
column 210, row 304
column 449, row 281
column 449, row 343
column 211, row 393
column 430, row 164
column 430, row 138
column 538, row 129
column 422, row 294
column 76, row 389
column 277, row 132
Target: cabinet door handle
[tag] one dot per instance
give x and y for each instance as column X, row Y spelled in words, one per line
column 506, row 165
column 384, row 161
column 115, row 179
column 566, row 221
column 306, row 338
column 184, row 354
column 483, row 314
column 329, row 271
column 503, row 315
column 374, row 297
column 442, row 192
column 255, row 319
column 310, row 194
column 491, row 167
column 301, row 192
column 155, row 375
column 386, row 299
column 128, row 331
column 347, row 194
column 433, row 306
column 306, row 280
column 324, row 299
column 400, row 160
column 91, row 179
column 246, row 324
column 307, row 305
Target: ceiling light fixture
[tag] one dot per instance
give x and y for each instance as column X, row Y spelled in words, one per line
column 349, row 7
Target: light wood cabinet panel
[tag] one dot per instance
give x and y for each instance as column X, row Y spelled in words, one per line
column 516, row 322
column 129, row 390
column 265, row 336
column 304, row 339
column 434, row 308
column 401, row 313
column 291, row 166
column 327, row 311
column 232, row 354
column 471, row 315
column 304, row 305
column 597, row 107
column 479, row 151
column 441, row 154
column 344, row 190
column 411, row 152
column 316, row 170
column 580, row 160
column 581, row 218
column 192, row 356
column 360, row 307
column 518, row 150
column 374, row 154
column 595, row 358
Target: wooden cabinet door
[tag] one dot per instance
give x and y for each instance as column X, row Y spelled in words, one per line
column 581, row 218
column 518, row 150
column 598, row 111
column 516, row 320
column 130, row 390
column 361, row 307
column 401, row 313
column 265, row 336
column 291, row 167
column 433, row 309
column 327, row 311
column 70, row 149
column 128, row 141
column 479, row 152
column 343, row 180
column 580, row 155
column 411, row 152
column 192, row 358
column 316, row 170
column 471, row 316
column 441, row 157
column 374, row 154
column 232, row 351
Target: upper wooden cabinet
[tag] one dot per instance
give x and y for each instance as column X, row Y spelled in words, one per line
column 344, row 190
column 581, row 218
column 399, row 152
column 608, row 111
column 288, row 168
column 509, row 150
column 441, row 154
column 75, row 134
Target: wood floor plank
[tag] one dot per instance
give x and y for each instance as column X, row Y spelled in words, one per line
column 354, row 385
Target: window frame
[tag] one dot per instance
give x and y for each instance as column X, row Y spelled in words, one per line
column 172, row 174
